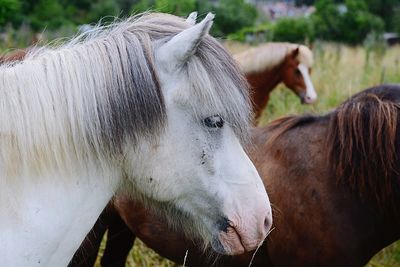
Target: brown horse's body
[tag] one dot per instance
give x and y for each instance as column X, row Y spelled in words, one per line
column 323, row 215
column 262, row 85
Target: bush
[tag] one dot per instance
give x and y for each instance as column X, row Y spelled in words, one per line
column 256, row 34
column 177, row 7
column 8, row 9
column 294, row 30
column 105, row 10
column 47, row 14
column 232, row 15
column 351, row 23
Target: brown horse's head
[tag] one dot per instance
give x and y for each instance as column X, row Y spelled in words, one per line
column 296, row 76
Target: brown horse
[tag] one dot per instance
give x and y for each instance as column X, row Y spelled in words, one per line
column 270, row 64
column 17, row 55
column 333, row 180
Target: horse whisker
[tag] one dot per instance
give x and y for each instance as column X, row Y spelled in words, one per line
column 184, row 259
column 259, row 245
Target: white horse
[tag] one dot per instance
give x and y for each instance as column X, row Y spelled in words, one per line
column 153, row 105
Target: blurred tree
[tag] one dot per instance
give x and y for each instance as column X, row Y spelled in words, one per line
column 126, row 6
column 232, row 15
column 326, row 20
column 384, row 9
column 143, row 5
column 106, row 10
column 350, row 22
column 295, row 30
column 47, row 14
column 9, row 11
column 304, row 2
column 177, row 7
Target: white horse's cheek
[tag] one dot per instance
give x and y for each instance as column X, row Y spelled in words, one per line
column 167, row 169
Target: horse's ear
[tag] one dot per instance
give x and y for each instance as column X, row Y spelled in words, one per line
column 191, row 19
column 173, row 54
column 295, row 52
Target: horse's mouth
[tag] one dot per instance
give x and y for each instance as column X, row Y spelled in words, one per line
column 229, row 242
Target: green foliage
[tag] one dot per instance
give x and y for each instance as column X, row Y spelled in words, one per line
column 47, row 14
column 8, row 9
column 232, row 15
column 295, row 30
column 384, row 9
column 349, row 23
column 304, row 2
column 143, row 5
column 105, row 10
column 257, row 34
column 396, row 21
column 177, row 7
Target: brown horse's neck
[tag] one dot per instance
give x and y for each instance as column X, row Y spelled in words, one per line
column 262, row 83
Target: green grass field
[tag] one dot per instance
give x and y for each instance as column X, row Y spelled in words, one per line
column 339, row 72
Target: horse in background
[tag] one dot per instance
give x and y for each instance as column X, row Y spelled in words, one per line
column 14, row 56
column 103, row 113
column 326, row 212
column 268, row 65
column 19, row 54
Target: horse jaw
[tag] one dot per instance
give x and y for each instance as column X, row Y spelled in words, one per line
column 238, row 237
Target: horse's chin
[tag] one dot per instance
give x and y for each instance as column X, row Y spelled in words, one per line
column 228, row 243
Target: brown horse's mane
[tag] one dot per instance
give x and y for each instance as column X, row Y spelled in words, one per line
column 363, row 143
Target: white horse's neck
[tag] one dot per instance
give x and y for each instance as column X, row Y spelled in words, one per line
column 56, row 216
column 57, row 172
column 48, row 109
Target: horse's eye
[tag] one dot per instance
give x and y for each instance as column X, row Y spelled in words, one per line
column 214, row 121
column 298, row 72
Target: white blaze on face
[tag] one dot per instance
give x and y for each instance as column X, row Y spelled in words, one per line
column 311, row 95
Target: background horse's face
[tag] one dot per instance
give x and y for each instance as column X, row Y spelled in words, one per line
column 296, row 76
column 198, row 166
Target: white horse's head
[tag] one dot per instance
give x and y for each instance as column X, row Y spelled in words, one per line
column 197, row 168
